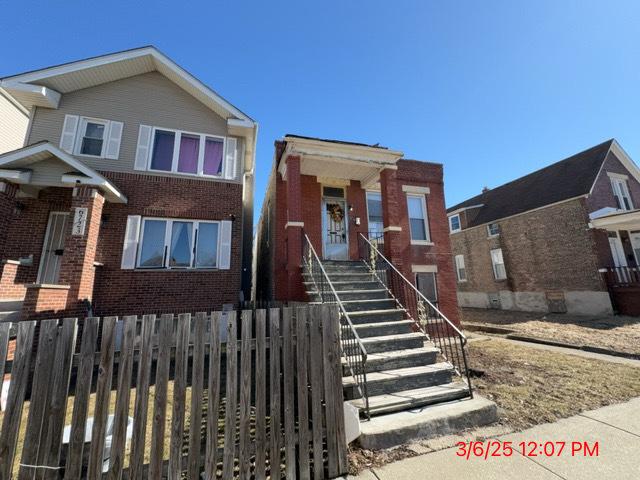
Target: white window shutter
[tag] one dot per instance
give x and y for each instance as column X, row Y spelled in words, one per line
column 130, row 247
column 144, row 147
column 113, row 140
column 69, row 131
column 225, row 245
column 231, row 159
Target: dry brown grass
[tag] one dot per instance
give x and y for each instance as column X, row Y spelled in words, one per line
column 533, row 386
column 617, row 333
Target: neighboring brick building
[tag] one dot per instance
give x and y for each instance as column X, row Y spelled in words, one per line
column 132, row 192
column 555, row 240
column 373, row 188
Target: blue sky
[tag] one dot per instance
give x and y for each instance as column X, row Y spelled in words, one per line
column 491, row 89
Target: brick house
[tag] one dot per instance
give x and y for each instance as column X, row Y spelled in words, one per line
column 126, row 186
column 565, row 238
column 379, row 193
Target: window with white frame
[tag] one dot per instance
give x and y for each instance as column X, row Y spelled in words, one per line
column 493, row 229
column 418, row 223
column 169, row 243
column 374, row 216
column 454, row 223
column 461, row 271
column 188, row 153
column 621, row 193
column 92, row 134
column 499, row 270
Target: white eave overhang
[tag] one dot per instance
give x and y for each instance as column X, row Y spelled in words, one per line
column 21, row 166
column 44, row 87
column 326, row 159
column 460, row 210
column 629, row 220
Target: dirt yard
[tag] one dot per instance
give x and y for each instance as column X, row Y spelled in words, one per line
column 530, row 386
column 533, row 386
column 617, row 333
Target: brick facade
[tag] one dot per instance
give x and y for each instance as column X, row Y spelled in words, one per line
column 552, row 255
column 272, row 257
column 91, row 264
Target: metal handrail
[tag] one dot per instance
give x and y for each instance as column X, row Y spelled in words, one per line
column 356, row 341
column 453, row 354
column 411, row 285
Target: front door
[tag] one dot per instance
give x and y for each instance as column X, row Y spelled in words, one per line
column 336, row 246
column 635, row 244
column 53, row 248
column 619, row 259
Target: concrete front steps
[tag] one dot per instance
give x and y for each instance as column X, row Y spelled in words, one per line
column 412, row 393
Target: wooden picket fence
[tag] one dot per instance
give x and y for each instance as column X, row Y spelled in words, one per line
column 169, row 397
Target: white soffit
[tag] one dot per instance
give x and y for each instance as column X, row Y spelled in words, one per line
column 27, row 87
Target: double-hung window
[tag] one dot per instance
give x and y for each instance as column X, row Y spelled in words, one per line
column 92, row 137
column 166, row 243
column 621, row 193
column 499, row 270
column 374, row 214
column 461, row 271
column 493, row 229
column 454, row 223
column 418, row 223
column 187, row 153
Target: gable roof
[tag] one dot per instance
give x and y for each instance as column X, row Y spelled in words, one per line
column 17, row 166
column 44, row 87
column 569, row 178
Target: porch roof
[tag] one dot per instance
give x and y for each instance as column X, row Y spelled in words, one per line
column 628, row 220
column 44, row 165
column 338, row 159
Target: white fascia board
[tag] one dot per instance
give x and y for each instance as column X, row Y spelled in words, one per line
column 15, row 176
column 47, row 97
column 89, row 173
column 34, row 77
column 460, row 210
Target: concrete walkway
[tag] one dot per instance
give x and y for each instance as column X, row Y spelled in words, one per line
column 616, row 429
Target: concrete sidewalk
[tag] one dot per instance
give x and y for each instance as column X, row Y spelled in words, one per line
column 616, row 429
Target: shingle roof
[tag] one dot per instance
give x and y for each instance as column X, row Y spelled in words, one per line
column 568, row 178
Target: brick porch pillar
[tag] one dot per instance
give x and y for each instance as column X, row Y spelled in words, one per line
column 391, row 217
column 294, row 228
column 77, row 269
column 7, row 205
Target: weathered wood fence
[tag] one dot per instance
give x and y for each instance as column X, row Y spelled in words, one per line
column 250, row 394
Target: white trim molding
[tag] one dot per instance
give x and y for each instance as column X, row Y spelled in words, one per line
column 392, row 229
column 294, row 224
column 416, row 189
column 618, row 176
column 424, row 268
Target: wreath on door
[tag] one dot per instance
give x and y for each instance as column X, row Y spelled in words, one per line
column 336, row 212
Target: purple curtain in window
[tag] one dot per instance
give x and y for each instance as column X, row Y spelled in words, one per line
column 188, row 158
column 162, row 150
column 213, row 157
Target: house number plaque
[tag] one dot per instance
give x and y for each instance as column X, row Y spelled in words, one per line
column 79, row 221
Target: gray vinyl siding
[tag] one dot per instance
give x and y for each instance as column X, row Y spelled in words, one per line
column 148, row 99
column 13, row 125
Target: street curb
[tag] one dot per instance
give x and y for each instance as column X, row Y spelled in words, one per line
column 511, row 335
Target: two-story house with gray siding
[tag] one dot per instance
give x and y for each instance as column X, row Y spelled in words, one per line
column 565, row 238
column 130, row 191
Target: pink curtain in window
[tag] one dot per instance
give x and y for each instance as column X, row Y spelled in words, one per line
column 188, row 159
column 213, row 157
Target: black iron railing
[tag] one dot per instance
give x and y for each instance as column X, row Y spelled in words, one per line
column 353, row 351
column 622, row 276
column 446, row 336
